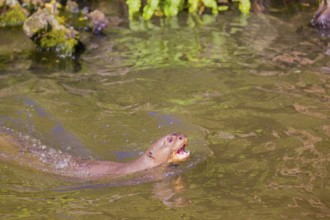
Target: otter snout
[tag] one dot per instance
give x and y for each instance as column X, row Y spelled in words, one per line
column 179, row 135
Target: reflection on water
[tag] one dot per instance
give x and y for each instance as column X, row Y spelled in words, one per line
column 168, row 191
column 251, row 93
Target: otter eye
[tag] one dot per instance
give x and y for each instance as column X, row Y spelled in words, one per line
column 170, row 140
column 180, row 137
column 150, row 154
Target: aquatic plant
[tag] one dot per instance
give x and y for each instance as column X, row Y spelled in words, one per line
column 244, row 6
column 170, row 8
column 133, row 7
column 150, row 9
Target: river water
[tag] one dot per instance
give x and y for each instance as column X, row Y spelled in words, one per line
column 252, row 93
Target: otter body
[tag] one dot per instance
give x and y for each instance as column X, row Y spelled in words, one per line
column 168, row 149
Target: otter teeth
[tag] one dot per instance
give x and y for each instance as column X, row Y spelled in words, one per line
column 182, row 150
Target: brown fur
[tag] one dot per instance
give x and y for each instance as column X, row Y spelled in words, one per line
column 163, row 151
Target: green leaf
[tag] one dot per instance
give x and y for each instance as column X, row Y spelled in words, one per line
column 133, row 7
column 211, row 4
column 223, row 8
column 172, row 7
column 244, row 6
column 193, row 5
column 149, row 9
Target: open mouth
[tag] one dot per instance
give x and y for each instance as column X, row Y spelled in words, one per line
column 182, row 153
column 182, row 150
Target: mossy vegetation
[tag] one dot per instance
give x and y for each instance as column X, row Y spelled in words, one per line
column 45, row 29
column 60, row 42
column 13, row 16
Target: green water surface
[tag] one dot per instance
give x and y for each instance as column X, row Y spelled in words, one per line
column 254, row 90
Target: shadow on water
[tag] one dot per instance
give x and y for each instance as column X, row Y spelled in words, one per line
column 46, row 63
column 33, row 120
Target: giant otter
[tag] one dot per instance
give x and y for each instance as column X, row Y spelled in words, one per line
column 169, row 149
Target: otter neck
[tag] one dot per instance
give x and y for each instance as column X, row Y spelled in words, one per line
column 142, row 163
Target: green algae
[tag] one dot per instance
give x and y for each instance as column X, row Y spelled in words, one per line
column 60, row 42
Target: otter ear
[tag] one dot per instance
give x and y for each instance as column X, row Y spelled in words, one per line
column 150, row 154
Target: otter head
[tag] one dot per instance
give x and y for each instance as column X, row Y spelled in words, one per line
column 169, row 149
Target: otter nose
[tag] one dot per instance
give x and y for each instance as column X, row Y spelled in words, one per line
column 178, row 135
